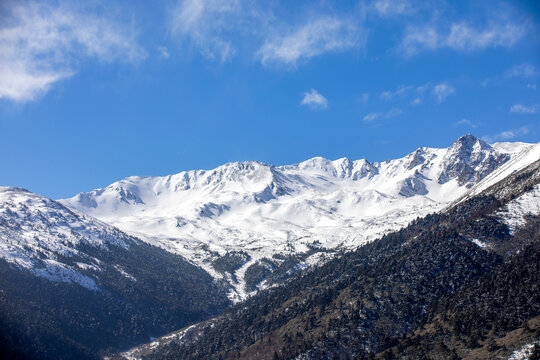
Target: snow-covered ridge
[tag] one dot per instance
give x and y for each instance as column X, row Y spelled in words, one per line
column 37, row 233
column 524, row 156
column 264, row 210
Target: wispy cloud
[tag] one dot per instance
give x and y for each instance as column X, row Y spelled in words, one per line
column 219, row 29
column 464, row 37
column 522, row 70
column 163, row 52
column 460, row 37
column 205, row 23
column 372, row 116
column 531, row 86
column 400, row 91
column 41, row 44
column 363, row 98
column 439, row 91
column 327, row 34
column 386, row 8
column 442, row 91
column 393, row 113
column 507, row 135
column 466, row 122
column 314, row 100
column 416, row 101
column 524, row 109
column 382, row 115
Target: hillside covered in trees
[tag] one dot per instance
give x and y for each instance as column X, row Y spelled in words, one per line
column 456, row 284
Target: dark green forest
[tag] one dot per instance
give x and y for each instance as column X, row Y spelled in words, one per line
column 41, row 319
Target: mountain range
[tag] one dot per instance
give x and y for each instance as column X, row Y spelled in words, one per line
column 119, row 266
column 242, row 221
column 462, row 283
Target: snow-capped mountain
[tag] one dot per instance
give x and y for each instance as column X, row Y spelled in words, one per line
column 73, row 286
column 256, row 215
column 35, row 232
column 432, row 287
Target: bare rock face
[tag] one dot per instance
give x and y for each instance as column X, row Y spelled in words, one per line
column 412, row 186
column 469, row 160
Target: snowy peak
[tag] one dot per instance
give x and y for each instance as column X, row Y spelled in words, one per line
column 341, row 168
column 8, row 191
column 39, row 234
column 469, row 160
column 416, row 158
column 316, row 164
column 523, row 156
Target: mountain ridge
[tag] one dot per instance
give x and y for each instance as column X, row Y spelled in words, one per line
column 73, row 287
column 290, row 210
column 111, row 283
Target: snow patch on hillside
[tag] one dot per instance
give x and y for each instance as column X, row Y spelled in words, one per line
column 516, row 211
column 524, row 353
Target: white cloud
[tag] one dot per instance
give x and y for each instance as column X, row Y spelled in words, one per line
column 417, row 39
column 464, row 37
column 522, row 70
column 219, row 29
column 387, row 8
column 205, row 23
column 506, row 135
column 460, row 37
column 382, row 115
column 364, row 97
column 40, row 45
column 163, row 52
column 466, row 122
column 371, row 116
column 314, row 38
column 531, row 86
column 314, row 100
column 442, row 91
column 523, row 109
column 400, row 91
column 416, row 94
column 393, row 113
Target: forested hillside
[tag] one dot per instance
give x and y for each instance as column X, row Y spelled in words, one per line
column 72, row 287
column 462, row 275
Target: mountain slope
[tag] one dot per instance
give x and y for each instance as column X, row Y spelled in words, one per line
column 251, row 224
column 485, row 319
column 72, row 286
column 465, row 261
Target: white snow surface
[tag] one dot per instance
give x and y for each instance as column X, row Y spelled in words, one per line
column 524, row 155
column 135, row 353
column 479, row 243
column 264, row 209
column 524, row 353
column 515, row 212
column 35, row 232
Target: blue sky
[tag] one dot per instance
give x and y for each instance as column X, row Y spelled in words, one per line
column 91, row 93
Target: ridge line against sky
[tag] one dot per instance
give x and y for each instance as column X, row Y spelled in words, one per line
column 96, row 91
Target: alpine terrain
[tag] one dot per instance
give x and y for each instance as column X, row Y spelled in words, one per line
column 250, row 224
column 73, row 287
column 431, row 255
column 462, row 283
